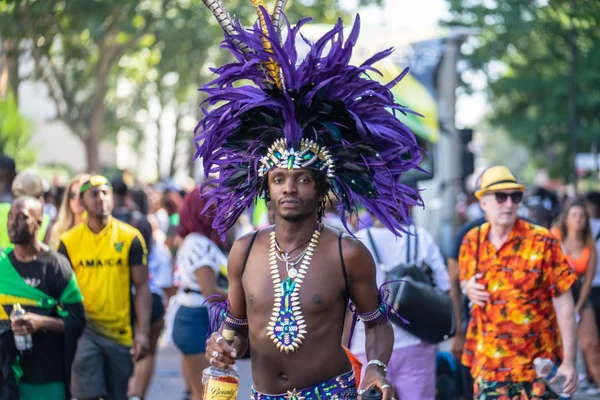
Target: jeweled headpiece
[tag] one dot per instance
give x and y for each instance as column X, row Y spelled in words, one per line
column 320, row 113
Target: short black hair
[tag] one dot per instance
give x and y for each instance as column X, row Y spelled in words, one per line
column 594, row 198
column 7, row 163
column 119, row 187
column 320, row 182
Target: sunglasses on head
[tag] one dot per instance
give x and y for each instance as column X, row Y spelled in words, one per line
column 515, row 197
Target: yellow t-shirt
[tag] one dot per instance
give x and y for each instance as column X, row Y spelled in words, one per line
column 102, row 265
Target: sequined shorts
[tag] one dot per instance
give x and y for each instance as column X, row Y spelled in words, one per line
column 341, row 387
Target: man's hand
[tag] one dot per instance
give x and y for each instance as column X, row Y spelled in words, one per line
column 221, row 354
column 458, row 345
column 28, row 324
column 475, row 291
column 374, row 376
column 141, row 347
column 571, row 379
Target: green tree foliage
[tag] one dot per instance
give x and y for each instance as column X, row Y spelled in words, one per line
column 165, row 79
column 83, row 49
column 523, row 49
column 15, row 133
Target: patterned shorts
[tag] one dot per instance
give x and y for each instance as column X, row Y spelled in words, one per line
column 536, row 390
column 341, row 387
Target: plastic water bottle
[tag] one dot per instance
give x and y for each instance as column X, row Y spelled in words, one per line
column 546, row 369
column 24, row 343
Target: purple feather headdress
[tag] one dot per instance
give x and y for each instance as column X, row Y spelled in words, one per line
column 269, row 110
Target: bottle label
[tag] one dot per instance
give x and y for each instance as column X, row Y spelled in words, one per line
column 219, row 390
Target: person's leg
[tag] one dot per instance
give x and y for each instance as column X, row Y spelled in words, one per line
column 186, row 380
column 411, row 371
column 590, row 343
column 190, row 327
column 194, row 365
column 87, row 372
column 119, row 368
column 144, row 369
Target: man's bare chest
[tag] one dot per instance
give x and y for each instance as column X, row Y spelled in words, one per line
column 321, row 287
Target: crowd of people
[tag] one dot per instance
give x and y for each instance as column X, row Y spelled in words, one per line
column 127, row 252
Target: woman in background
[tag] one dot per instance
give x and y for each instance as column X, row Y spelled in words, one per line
column 574, row 232
column 70, row 212
column 198, row 261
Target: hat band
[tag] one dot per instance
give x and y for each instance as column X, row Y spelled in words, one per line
column 500, row 182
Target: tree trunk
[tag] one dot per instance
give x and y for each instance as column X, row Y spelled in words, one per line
column 176, row 140
column 10, row 66
column 96, row 121
column 92, row 155
column 159, row 150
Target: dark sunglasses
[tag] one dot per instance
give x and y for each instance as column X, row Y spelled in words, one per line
column 73, row 195
column 514, row 197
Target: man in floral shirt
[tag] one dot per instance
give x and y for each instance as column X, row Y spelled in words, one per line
column 518, row 281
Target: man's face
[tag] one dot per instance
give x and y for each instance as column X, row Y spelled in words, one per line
column 499, row 206
column 24, row 220
column 98, row 201
column 293, row 193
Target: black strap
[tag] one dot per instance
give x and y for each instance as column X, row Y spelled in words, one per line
column 188, row 290
column 248, row 251
column 377, row 258
column 408, row 258
column 343, row 264
column 598, row 237
column 477, row 249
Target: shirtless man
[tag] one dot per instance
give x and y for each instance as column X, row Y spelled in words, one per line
column 303, row 130
column 295, row 196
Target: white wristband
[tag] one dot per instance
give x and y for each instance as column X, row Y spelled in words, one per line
column 379, row 364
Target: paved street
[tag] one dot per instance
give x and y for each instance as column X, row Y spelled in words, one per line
column 168, row 381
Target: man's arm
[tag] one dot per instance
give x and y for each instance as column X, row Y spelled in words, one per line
column 142, row 300
column 565, row 316
column 364, row 293
column 237, row 309
column 458, row 342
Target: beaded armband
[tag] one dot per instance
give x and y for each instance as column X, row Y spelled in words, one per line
column 235, row 322
column 383, row 311
column 220, row 315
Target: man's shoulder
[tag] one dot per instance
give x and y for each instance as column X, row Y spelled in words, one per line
column 59, row 263
column 73, row 234
column 126, row 230
column 535, row 231
column 475, row 231
column 352, row 247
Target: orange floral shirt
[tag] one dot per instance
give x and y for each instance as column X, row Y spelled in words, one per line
column 518, row 322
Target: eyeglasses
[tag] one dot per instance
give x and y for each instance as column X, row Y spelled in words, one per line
column 515, row 197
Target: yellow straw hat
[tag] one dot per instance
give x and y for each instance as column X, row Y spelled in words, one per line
column 497, row 178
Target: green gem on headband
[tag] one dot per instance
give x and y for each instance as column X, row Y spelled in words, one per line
column 310, row 155
column 96, row 180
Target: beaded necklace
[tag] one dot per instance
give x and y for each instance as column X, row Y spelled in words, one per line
column 288, row 327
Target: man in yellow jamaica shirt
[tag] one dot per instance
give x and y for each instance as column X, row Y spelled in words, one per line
column 108, row 257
